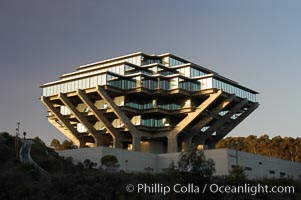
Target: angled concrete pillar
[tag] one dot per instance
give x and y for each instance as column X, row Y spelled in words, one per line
column 173, row 134
column 212, row 141
column 237, row 121
column 118, row 112
column 136, row 143
column 172, row 144
column 190, row 116
column 117, row 142
column 77, row 141
column 136, row 134
column 83, row 120
column 117, row 138
column 212, row 114
column 186, row 143
column 226, row 117
column 67, row 129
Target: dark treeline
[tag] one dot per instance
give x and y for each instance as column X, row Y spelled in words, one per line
column 67, row 180
column 285, row 148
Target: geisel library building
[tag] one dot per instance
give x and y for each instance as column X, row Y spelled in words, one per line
column 153, row 105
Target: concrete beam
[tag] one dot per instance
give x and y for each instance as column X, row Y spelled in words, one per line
column 118, row 112
column 80, row 143
column 237, row 121
column 117, row 142
column 172, row 135
column 172, row 144
column 66, row 128
column 136, row 133
column 212, row 114
column 110, row 128
column 225, row 118
column 83, row 120
column 186, row 143
column 136, row 139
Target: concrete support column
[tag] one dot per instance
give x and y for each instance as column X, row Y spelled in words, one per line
column 172, row 144
column 98, row 140
column 64, row 126
column 117, row 142
column 199, row 142
column 136, row 143
column 186, row 143
column 81, row 143
column 212, row 141
column 191, row 116
column 83, row 120
column 113, row 131
column 226, row 117
column 211, row 144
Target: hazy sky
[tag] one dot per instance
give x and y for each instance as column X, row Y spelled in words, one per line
column 256, row 43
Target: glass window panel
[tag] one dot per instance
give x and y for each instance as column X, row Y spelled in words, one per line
column 49, row 90
column 46, row 91
column 65, row 87
column 68, row 86
column 58, row 89
column 54, row 90
column 76, row 85
column 72, row 86
column 80, row 84
column 87, row 82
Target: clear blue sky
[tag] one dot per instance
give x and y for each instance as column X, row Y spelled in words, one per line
column 256, row 43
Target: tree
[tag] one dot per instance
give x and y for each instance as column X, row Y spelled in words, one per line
column 195, row 162
column 237, row 176
column 7, row 139
column 284, row 148
column 38, row 140
column 110, row 162
column 192, row 168
column 67, row 145
column 251, row 141
column 88, row 164
column 55, row 143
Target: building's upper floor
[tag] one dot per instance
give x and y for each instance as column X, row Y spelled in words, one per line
column 153, row 72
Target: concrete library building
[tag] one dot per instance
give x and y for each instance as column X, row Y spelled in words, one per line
column 146, row 109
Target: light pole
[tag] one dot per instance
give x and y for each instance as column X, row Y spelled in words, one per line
column 23, row 152
column 17, row 139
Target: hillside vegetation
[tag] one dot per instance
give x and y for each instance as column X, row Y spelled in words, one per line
column 285, row 148
column 66, row 180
